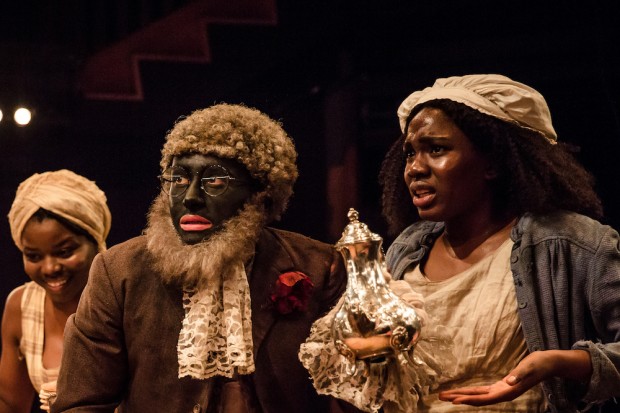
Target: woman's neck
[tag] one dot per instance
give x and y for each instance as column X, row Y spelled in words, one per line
column 476, row 239
column 62, row 310
column 461, row 246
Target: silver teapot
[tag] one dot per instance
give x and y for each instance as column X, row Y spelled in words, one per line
column 372, row 323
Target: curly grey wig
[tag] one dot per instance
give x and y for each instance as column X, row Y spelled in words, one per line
column 243, row 134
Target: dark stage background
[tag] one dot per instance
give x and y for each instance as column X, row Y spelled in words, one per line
column 334, row 72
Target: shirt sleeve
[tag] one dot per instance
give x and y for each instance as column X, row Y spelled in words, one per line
column 604, row 299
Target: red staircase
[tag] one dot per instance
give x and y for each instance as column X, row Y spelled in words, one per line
column 182, row 36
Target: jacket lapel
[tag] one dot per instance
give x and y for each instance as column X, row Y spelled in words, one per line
column 270, row 261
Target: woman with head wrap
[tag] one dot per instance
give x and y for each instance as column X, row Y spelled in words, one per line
column 498, row 232
column 59, row 221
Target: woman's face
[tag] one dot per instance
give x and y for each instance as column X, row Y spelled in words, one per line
column 447, row 178
column 197, row 215
column 56, row 258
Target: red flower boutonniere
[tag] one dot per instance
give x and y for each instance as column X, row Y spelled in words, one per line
column 292, row 292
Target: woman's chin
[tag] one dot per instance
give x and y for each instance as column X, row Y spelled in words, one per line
column 430, row 214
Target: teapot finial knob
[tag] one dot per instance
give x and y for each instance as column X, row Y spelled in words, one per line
column 353, row 215
column 356, row 231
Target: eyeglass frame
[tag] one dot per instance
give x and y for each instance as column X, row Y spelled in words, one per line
column 228, row 177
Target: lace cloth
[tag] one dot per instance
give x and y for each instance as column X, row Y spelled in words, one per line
column 395, row 385
column 216, row 336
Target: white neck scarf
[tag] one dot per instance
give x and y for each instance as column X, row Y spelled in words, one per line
column 216, row 333
column 216, row 337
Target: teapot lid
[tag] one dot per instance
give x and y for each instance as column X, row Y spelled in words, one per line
column 356, row 231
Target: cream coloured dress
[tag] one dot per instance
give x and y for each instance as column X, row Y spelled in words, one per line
column 33, row 335
column 479, row 310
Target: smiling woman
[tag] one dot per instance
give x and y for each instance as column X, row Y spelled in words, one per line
column 57, row 256
column 59, row 220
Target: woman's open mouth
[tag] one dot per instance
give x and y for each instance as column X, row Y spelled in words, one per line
column 423, row 197
column 56, row 284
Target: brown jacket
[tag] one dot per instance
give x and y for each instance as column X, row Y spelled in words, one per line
column 121, row 345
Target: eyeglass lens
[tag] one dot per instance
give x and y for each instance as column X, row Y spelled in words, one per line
column 214, row 180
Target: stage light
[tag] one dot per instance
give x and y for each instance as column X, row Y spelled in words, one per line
column 22, row 116
column 0, row 116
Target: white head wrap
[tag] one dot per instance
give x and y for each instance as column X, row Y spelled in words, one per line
column 494, row 95
column 66, row 194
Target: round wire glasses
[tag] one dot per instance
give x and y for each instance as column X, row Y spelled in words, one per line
column 214, row 180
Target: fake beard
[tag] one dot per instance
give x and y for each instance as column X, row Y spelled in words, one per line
column 195, row 266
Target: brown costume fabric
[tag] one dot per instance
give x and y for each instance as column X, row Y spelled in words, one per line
column 135, row 359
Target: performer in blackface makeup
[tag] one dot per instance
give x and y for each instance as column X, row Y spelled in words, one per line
column 206, row 311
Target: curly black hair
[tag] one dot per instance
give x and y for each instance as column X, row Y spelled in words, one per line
column 533, row 175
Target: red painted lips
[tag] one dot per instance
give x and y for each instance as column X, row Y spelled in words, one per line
column 194, row 223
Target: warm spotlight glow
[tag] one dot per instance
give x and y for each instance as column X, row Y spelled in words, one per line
column 22, row 116
column 0, row 116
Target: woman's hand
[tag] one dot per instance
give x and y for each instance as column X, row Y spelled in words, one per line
column 47, row 395
column 534, row 368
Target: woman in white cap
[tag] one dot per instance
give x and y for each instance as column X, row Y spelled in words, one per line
column 498, row 231
column 59, row 221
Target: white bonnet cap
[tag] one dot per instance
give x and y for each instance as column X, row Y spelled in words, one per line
column 491, row 94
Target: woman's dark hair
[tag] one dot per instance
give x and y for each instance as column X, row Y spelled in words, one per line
column 43, row 214
column 533, row 175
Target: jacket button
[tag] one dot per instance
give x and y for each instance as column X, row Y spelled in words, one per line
column 523, row 304
column 514, row 258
